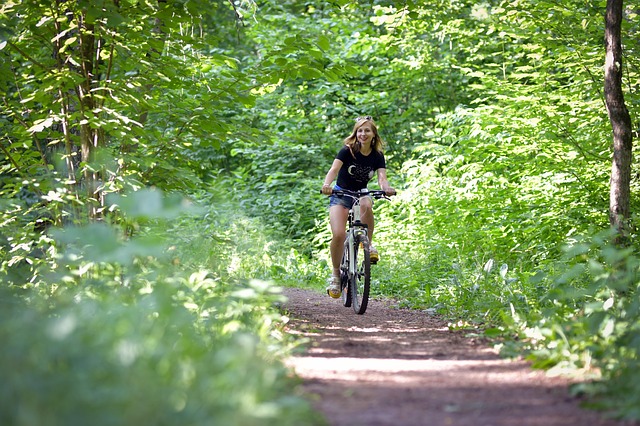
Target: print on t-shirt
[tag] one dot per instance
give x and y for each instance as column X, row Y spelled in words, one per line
column 360, row 173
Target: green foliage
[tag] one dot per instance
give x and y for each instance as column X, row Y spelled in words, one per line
column 116, row 96
column 121, row 333
column 154, row 360
column 587, row 320
column 497, row 138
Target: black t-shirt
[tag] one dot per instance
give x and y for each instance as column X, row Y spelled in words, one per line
column 356, row 172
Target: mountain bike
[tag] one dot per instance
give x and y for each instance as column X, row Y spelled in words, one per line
column 355, row 266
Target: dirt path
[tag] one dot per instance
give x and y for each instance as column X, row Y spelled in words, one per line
column 401, row 367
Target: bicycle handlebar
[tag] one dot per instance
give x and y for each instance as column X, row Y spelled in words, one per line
column 361, row 193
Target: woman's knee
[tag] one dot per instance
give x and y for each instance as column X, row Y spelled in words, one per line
column 339, row 235
column 366, row 207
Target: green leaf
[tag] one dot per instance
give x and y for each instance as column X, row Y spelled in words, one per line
column 324, row 43
column 493, row 332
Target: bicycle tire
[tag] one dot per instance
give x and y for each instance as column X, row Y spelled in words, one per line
column 344, row 277
column 361, row 281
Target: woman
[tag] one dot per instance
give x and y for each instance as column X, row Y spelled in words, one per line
column 354, row 166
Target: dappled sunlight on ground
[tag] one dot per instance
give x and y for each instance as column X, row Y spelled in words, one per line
column 405, row 371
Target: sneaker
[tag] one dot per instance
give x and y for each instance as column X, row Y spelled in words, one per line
column 373, row 254
column 334, row 289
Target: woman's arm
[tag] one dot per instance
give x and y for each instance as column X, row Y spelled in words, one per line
column 384, row 183
column 331, row 176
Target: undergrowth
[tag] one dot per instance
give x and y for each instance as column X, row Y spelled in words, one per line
column 170, row 325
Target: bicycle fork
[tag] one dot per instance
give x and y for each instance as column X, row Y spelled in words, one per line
column 356, row 229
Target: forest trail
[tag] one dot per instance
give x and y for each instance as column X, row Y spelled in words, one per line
column 401, row 367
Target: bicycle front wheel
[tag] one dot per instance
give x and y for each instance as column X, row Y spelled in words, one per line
column 361, row 280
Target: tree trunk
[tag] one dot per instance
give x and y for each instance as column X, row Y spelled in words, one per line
column 619, row 202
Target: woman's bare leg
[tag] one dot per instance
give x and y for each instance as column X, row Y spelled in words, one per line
column 366, row 214
column 338, row 220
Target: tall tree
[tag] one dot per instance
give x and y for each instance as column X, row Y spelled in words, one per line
column 619, row 210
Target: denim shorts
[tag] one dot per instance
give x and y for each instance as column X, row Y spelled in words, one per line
column 341, row 200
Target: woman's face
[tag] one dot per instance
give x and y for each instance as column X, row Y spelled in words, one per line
column 365, row 133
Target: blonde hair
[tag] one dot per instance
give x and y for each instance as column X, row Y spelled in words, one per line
column 351, row 141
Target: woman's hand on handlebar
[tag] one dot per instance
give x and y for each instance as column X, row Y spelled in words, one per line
column 326, row 189
column 389, row 191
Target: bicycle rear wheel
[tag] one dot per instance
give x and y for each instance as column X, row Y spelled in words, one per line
column 361, row 281
column 344, row 277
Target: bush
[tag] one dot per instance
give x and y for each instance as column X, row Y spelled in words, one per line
column 123, row 332
column 589, row 320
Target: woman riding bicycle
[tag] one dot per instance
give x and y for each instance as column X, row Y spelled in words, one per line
column 354, row 166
